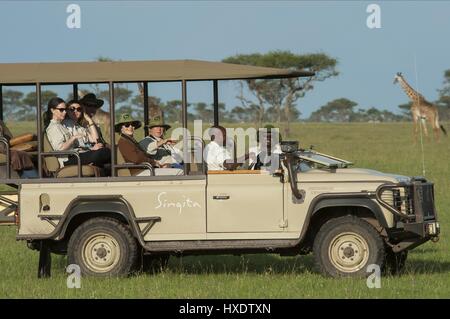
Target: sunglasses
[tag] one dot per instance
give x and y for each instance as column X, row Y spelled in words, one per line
column 127, row 125
column 78, row 109
column 62, row 110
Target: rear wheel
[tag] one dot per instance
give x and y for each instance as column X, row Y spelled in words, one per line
column 346, row 246
column 103, row 247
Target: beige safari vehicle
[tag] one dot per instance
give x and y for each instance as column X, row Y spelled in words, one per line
column 348, row 218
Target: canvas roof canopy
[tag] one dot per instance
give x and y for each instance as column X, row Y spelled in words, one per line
column 134, row 71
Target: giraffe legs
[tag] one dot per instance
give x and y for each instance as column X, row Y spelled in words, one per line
column 436, row 129
column 423, row 123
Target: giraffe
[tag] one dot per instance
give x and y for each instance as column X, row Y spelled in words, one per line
column 421, row 109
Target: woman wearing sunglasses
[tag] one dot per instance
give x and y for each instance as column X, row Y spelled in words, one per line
column 79, row 122
column 62, row 139
column 132, row 152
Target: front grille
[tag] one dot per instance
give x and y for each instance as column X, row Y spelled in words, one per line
column 399, row 199
column 413, row 202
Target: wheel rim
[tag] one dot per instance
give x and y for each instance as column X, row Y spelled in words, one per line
column 348, row 252
column 101, row 253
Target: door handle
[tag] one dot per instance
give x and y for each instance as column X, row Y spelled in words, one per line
column 221, row 197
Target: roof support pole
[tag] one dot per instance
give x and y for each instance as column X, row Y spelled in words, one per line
column 111, row 127
column 145, row 108
column 216, row 102
column 40, row 131
column 75, row 91
column 185, row 121
column 4, row 141
column 1, row 102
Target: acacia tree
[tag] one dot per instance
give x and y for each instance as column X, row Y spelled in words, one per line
column 445, row 91
column 29, row 103
column 282, row 94
column 12, row 102
column 338, row 110
column 443, row 103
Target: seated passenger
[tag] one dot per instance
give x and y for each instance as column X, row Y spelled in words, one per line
column 159, row 148
column 267, row 151
column 216, row 155
column 62, row 139
column 132, row 152
column 20, row 161
column 79, row 122
column 90, row 105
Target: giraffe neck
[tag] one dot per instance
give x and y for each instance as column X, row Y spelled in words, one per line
column 412, row 94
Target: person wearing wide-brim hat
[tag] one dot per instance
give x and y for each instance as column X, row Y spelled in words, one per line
column 90, row 105
column 159, row 148
column 133, row 153
column 127, row 145
column 125, row 121
column 158, row 121
column 90, row 100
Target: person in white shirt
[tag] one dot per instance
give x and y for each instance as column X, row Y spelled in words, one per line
column 267, row 151
column 216, row 156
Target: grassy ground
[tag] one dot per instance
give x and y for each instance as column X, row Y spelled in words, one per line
column 385, row 147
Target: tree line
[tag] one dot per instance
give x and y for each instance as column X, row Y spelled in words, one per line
column 260, row 100
column 18, row 106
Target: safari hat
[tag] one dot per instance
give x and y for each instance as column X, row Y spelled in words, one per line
column 91, row 100
column 158, row 121
column 126, row 118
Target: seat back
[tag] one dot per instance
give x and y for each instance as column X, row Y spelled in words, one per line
column 196, row 147
column 51, row 162
column 120, row 160
column 2, row 159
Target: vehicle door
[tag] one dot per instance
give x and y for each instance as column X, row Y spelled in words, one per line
column 244, row 201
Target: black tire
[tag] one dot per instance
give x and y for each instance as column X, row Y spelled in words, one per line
column 395, row 262
column 154, row 263
column 103, row 247
column 346, row 246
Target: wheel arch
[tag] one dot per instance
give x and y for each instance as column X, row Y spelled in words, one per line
column 326, row 207
column 84, row 208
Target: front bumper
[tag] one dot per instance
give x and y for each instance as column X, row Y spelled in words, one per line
column 413, row 207
column 423, row 229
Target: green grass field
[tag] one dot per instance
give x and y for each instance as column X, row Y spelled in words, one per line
column 384, row 147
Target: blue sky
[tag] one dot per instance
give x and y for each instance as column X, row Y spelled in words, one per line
column 413, row 38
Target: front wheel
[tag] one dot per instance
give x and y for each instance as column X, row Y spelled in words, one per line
column 346, row 246
column 103, row 247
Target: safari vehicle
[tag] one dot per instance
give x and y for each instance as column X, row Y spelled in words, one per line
column 349, row 218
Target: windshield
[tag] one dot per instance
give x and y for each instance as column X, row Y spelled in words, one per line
column 312, row 159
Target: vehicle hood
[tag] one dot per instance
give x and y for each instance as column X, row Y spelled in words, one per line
column 350, row 174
